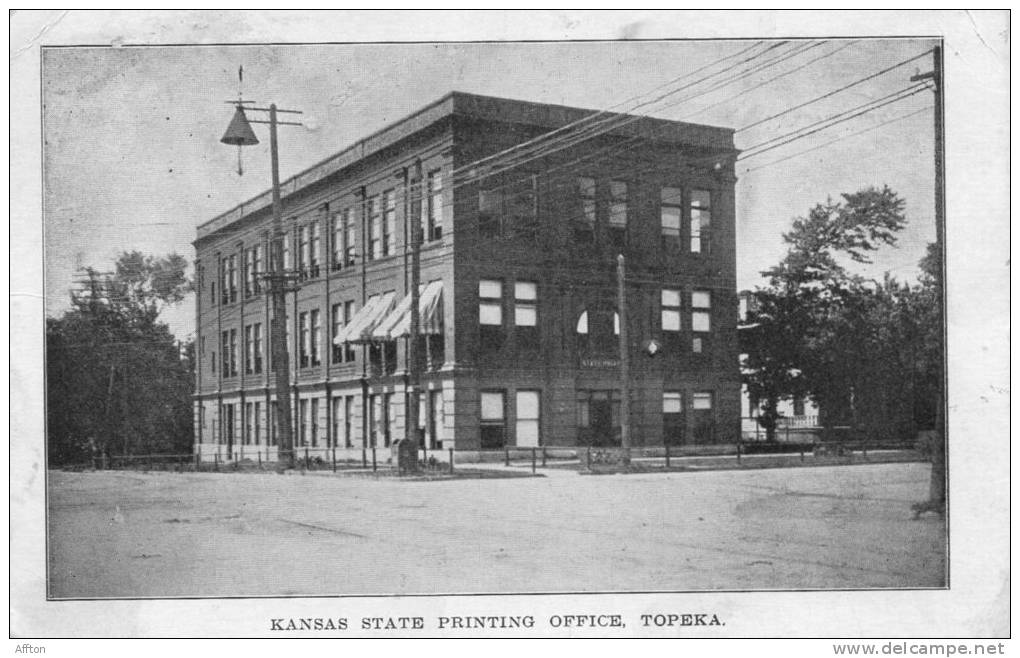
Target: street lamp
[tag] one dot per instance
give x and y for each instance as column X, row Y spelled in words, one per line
column 239, row 133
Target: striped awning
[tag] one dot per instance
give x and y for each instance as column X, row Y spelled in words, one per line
column 430, row 310
column 364, row 322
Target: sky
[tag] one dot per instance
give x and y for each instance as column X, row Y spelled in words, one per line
column 132, row 158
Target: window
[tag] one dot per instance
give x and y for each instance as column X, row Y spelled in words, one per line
column 510, row 208
column 670, row 310
column 701, row 302
column 528, row 417
column 212, row 361
column 304, row 336
column 337, row 415
column 389, row 240
column 286, row 252
column 526, row 314
column 249, row 421
column 225, row 351
column 349, row 421
column 701, row 220
column 375, row 242
column 348, row 314
column 258, row 423
column 314, row 403
column 303, row 249
column 249, row 350
column 798, row 406
column 303, row 419
column 257, row 268
column 314, row 247
column 274, row 422
column 257, row 346
column 350, row 242
column 493, row 419
column 490, row 212
column 224, row 281
column 232, row 276
column 433, row 227
column 316, row 338
column 696, row 345
column 617, row 210
column 525, row 304
column 390, row 418
column 437, row 421
column 337, row 240
column 584, row 224
column 672, row 418
column 227, row 421
column 522, row 207
column 233, row 352
column 338, row 324
column 670, row 211
column 212, row 293
column 703, row 418
column 490, row 313
column 249, row 274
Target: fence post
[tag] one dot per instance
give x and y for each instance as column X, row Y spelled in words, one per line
column 260, row 458
column 451, row 460
column 334, row 459
column 373, row 459
column 364, row 457
column 198, row 458
column 738, row 452
column 308, row 464
column 802, row 452
column 534, row 459
column 217, row 460
column 667, row 454
column 588, row 463
column 543, row 456
column 507, row 451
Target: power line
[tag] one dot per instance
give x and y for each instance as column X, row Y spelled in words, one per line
column 772, row 79
column 597, row 114
column 892, row 98
column 833, row 92
column 832, row 141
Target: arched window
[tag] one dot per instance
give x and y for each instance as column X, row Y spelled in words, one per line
column 598, row 330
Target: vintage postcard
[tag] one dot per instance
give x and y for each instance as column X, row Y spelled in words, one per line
column 504, row 324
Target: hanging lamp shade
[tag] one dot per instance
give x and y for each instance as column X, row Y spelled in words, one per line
column 239, row 131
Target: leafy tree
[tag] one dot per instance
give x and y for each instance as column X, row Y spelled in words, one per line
column 810, row 330
column 117, row 381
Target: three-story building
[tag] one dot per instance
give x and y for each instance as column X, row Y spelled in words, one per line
column 525, row 208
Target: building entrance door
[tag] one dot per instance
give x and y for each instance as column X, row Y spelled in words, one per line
column 598, row 418
column 601, row 422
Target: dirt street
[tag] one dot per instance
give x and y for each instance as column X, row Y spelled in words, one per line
column 125, row 534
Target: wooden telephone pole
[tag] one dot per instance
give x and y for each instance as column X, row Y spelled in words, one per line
column 937, row 488
column 239, row 134
column 621, row 291
column 407, row 457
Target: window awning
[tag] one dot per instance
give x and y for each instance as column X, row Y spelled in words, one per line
column 430, row 310
column 359, row 329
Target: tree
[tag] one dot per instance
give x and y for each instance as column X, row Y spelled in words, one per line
column 117, row 379
column 809, row 331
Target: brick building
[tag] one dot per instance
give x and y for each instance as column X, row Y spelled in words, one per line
column 518, row 273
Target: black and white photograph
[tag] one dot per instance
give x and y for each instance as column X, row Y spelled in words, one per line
column 510, row 324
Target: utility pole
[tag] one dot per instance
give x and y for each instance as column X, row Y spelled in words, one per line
column 624, row 361
column 408, row 457
column 937, row 488
column 239, row 133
